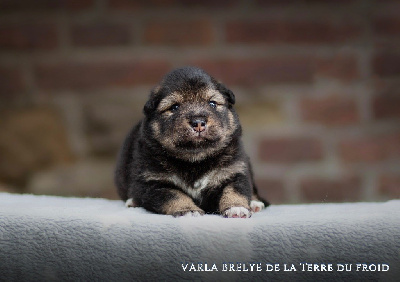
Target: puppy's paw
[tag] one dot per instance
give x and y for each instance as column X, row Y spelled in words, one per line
column 237, row 212
column 256, row 206
column 188, row 213
column 130, row 203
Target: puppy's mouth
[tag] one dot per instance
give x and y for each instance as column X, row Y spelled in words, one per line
column 197, row 143
column 197, row 140
column 199, row 135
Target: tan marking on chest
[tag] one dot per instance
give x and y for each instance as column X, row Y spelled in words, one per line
column 210, row 179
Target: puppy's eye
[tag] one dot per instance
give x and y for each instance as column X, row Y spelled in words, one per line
column 174, row 107
column 213, row 104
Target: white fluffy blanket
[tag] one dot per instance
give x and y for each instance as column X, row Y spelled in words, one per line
column 46, row 238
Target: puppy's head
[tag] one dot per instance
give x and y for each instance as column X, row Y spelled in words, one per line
column 190, row 114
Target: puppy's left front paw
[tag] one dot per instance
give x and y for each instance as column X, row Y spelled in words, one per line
column 237, row 212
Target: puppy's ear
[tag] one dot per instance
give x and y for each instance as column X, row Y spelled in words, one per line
column 153, row 101
column 228, row 94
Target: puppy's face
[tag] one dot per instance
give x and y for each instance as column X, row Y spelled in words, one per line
column 191, row 115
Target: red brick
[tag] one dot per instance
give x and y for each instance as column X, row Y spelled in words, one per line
column 259, row 71
column 43, row 5
column 331, row 190
column 386, row 64
column 77, row 5
column 386, row 26
column 159, row 4
column 386, row 106
column 101, row 34
column 98, row 74
column 26, row 37
column 371, row 148
column 224, row 4
column 289, row 31
column 136, row 5
column 264, row 3
column 11, row 81
column 389, row 185
column 177, row 32
column 341, row 66
column 331, row 110
column 271, row 190
column 290, row 150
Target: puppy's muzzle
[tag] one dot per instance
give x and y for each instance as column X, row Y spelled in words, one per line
column 198, row 124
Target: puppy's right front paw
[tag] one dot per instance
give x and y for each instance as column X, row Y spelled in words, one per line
column 188, row 213
column 237, row 212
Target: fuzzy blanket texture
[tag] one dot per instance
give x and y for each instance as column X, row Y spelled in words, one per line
column 44, row 238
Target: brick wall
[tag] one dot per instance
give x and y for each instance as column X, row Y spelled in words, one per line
column 317, row 85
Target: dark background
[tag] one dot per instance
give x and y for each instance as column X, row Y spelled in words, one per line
column 317, row 86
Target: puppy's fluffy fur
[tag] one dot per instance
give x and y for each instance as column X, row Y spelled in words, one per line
column 185, row 157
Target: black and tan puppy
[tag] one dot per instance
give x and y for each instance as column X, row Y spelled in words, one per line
column 186, row 157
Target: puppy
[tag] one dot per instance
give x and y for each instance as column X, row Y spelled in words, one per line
column 185, row 157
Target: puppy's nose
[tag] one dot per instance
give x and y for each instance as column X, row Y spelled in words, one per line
column 198, row 125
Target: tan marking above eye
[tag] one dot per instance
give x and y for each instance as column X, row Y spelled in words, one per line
column 170, row 100
column 213, row 95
